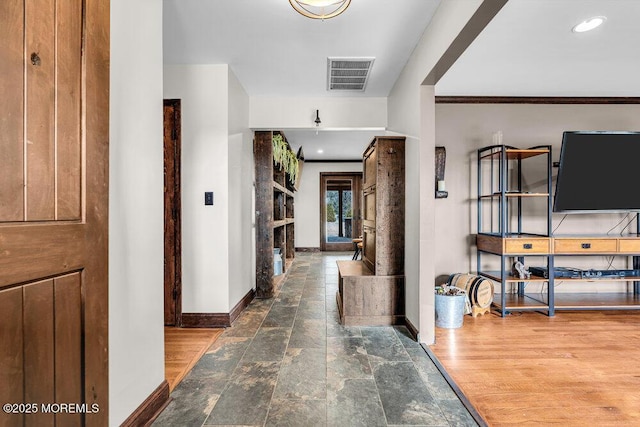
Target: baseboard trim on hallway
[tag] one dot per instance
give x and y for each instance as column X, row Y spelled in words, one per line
column 314, row 250
column 149, row 410
column 465, row 401
column 412, row 329
column 205, row 320
column 241, row 305
column 217, row 320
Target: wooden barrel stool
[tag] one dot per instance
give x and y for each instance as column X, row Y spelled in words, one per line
column 479, row 289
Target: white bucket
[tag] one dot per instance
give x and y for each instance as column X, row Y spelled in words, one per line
column 277, row 262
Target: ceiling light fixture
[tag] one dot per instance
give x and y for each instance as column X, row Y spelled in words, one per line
column 320, row 9
column 589, row 24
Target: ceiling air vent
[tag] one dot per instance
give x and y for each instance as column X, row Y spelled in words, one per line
column 349, row 74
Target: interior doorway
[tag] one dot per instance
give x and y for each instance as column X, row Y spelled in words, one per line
column 172, row 210
column 340, row 219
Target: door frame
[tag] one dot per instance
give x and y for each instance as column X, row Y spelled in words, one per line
column 356, row 188
column 172, row 214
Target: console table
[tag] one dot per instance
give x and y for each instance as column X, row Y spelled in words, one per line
column 552, row 248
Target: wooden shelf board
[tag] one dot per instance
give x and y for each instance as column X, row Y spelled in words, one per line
column 597, row 301
column 278, row 187
column 516, row 153
column 283, row 222
column 519, row 302
column 572, row 301
column 515, row 235
column 511, row 194
column 495, row 275
column 537, row 300
column 601, row 279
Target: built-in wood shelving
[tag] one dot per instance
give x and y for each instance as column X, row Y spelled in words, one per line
column 274, row 215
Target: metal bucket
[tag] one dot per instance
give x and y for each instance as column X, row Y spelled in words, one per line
column 450, row 311
column 277, row 262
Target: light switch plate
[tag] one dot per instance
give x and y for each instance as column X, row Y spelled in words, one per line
column 208, row 198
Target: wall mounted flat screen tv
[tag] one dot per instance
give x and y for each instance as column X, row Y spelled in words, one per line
column 599, row 172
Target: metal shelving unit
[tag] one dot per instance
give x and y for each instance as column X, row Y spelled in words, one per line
column 500, row 196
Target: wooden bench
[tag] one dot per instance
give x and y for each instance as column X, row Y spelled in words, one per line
column 365, row 299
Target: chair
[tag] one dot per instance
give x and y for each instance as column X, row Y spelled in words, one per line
column 357, row 247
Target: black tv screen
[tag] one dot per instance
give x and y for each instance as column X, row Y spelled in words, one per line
column 599, row 172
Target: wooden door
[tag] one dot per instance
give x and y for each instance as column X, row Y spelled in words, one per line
column 54, row 90
column 172, row 235
column 340, row 216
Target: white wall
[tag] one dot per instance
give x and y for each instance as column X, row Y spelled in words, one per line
column 411, row 114
column 218, row 266
column 203, row 90
column 462, row 129
column 136, row 340
column 241, row 171
column 307, row 201
column 336, row 112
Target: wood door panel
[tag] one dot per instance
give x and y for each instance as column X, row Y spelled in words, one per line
column 47, row 58
column 11, row 353
column 68, row 345
column 11, row 111
column 59, row 249
column 42, row 349
column 40, row 109
column 68, row 76
column 39, row 350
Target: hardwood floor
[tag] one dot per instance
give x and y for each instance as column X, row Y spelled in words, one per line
column 183, row 347
column 577, row 368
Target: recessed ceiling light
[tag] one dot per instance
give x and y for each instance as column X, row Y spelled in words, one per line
column 589, row 24
column 320, row 151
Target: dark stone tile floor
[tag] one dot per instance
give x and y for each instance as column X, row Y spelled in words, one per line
column 287, row 361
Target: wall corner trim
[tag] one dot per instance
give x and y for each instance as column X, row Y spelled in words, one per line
column 412, row 329
column 149, row 410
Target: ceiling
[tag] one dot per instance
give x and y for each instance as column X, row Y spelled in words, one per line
column 528, row 49
column 275, row 51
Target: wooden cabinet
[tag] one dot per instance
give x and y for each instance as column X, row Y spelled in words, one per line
column 372, row 291
column 274, row 214
column 383, row 194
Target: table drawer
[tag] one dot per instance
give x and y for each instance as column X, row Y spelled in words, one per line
column 526, row 246
column 578, row 246
column 631, row 246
